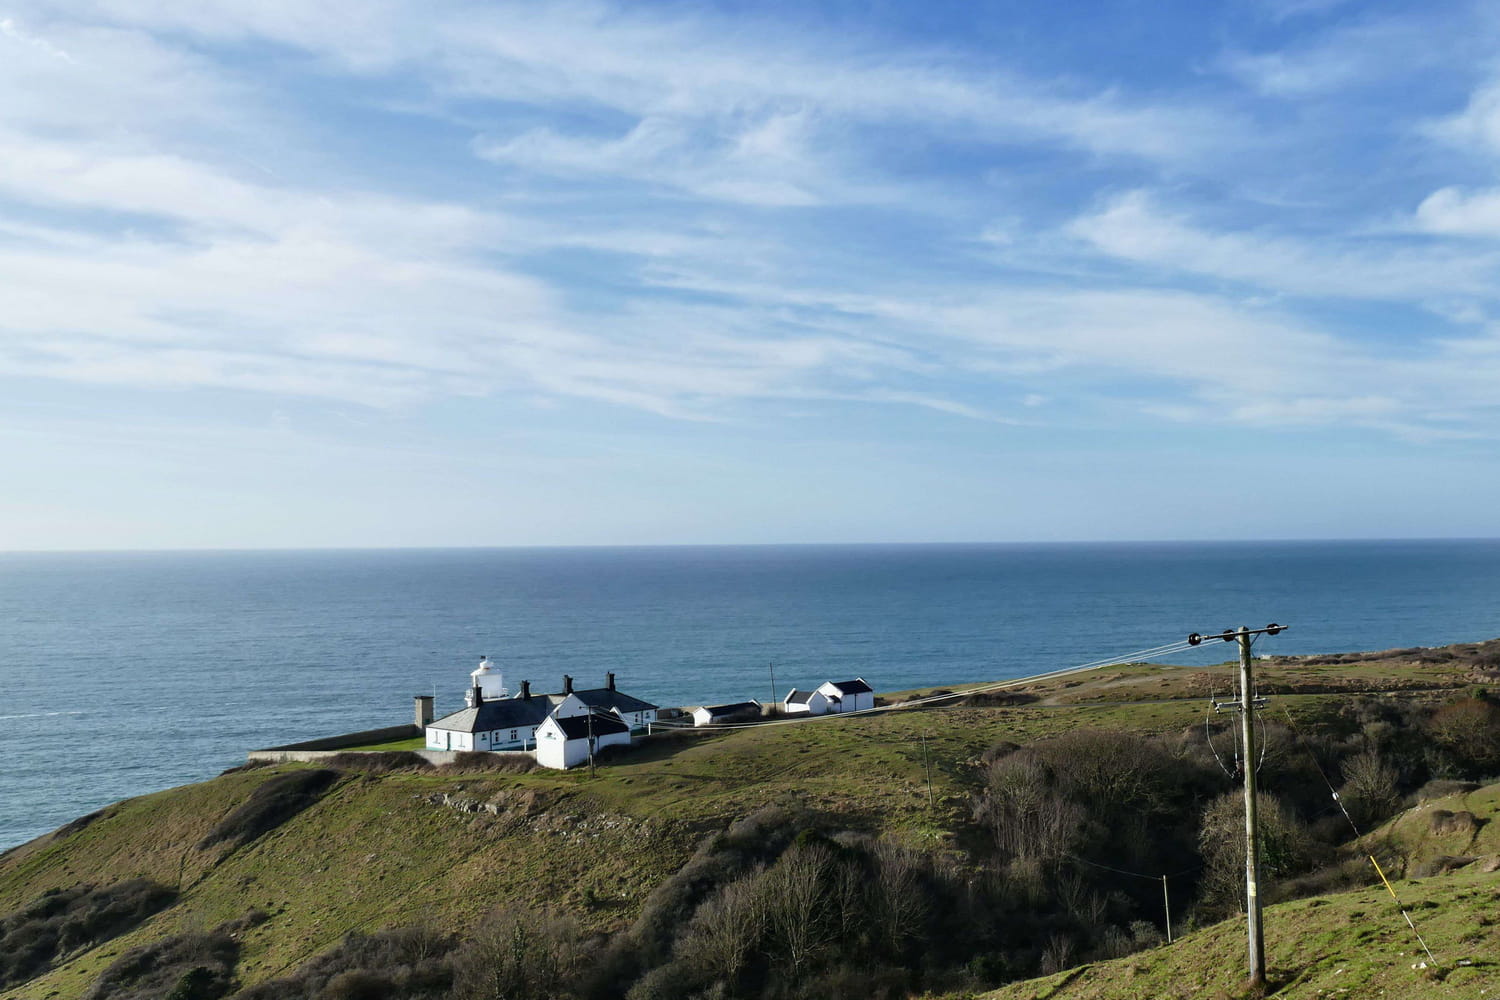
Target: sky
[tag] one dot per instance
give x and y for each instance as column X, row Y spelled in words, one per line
column 390, row 273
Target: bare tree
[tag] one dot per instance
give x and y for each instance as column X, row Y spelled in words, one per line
column 725, row 930
column 900, row 899
column 519, row 955
column 797, row 911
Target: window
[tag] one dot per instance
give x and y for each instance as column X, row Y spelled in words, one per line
column 512, row 735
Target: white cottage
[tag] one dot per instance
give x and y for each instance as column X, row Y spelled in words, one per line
column 805, row 702
column 502, row 724
column 567, row 742
column 848, row 696
column 708, row 715
column 636, row 714
column 494, row 720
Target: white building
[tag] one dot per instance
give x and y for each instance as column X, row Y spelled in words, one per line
column 493, row 720
column 708, row 715
column 636, row 713
column 564, row 742
column 847, row 696
column 805, row 702
column 487, row 681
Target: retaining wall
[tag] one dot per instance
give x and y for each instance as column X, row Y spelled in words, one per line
column 384, row 735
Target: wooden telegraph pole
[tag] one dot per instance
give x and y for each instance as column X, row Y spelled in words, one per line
column 1246, row 706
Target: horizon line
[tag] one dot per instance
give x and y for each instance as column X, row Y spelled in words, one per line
column 209, row 550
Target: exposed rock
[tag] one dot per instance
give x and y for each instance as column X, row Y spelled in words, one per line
column 1441, row 865
column 1463, row 821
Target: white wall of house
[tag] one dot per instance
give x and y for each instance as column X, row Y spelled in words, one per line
column 448, row 739
column 846, row 702
column 570, row 707
column 816, row 705
column 573, row 706
column 554, row 749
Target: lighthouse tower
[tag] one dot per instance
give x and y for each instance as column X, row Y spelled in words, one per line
column 487, row 683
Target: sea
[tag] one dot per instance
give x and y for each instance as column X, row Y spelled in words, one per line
column 124, row 673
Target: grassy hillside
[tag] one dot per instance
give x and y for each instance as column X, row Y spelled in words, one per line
column 1354, row 944
column 442, row 848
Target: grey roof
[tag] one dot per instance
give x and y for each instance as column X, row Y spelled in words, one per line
column 500, row 713
column 609, row 699
column 799, row 697
column 576, row 727
column 856, row 686
column 718, row 711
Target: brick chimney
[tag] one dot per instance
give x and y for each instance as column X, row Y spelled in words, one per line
column 609, row 680
column 423, row 710
column 525, row 689
column 567, row 684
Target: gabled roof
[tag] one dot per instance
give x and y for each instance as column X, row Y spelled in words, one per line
column 719, row 711
column 500, row 713
column 856, row 686
column 800, row 697
column 610, row 699
column 576, row 727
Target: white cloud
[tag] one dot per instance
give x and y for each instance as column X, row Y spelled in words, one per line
column 767, row 163
column 1134, row 227
column 1477, row 126
column 1353, row 53
column 1456, row 212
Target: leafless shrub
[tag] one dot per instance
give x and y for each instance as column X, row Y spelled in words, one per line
column 479, row 761
column 61, row 921
column 379, row 763
column 400, row 962
column 519, row 953
column 1286, row 848
column 191, row 966
column 1058, row 955
column 1369, row 793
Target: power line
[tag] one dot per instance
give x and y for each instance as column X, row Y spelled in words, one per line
column 1358, row 836
column 1132, row 657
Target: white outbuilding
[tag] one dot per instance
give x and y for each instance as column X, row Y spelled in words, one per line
column 848, row 696
column 568, row 742
column 709, row 715
column 805, row 702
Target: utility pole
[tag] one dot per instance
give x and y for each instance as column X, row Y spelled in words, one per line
column 591, row 742
column 773, row 684
column 928, row 767
column 1246, row 706
column 1166, row 904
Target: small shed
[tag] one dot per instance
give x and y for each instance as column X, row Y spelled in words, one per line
column 848, row 696
column 565, row 743
column 708, row 715
column 805, row 702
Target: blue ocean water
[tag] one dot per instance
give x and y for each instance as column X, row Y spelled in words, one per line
column 124, row 673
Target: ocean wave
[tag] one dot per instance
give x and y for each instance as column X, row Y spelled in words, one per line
column 38, row 715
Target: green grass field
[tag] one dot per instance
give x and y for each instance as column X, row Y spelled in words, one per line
column 380, row 850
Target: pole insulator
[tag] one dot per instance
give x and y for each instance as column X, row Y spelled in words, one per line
column 1194, row 639
column 1273, row 629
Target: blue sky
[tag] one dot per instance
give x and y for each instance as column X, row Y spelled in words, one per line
column 398, row 273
